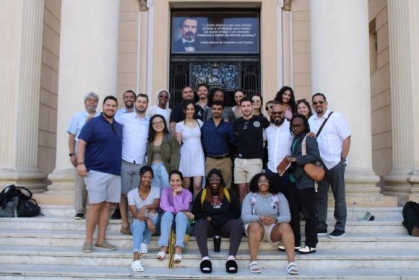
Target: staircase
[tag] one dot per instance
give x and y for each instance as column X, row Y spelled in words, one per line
column 49, row 247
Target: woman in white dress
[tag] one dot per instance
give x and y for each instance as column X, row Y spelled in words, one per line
column 192, row 160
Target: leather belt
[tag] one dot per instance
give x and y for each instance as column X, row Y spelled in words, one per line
column 220, row 157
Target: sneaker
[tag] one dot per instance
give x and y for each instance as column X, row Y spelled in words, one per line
column 282, row 248
column 87, row 247
column 321, row 232
column 337, row 234
column 116, row 215
column 105, row 246
column 307, row 250
column 79, row 216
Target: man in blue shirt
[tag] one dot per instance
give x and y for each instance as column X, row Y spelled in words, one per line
column 99, row 152
column 217, row 135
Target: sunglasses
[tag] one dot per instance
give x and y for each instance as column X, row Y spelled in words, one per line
column 269, row 107
column 164, row 96
column 320, row 102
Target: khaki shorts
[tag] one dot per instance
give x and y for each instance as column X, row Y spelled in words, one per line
column 268, row 230
column 103, row 187
column 245, row 169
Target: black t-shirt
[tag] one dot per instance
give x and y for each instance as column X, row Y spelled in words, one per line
column 178, row 115
column 250, row 133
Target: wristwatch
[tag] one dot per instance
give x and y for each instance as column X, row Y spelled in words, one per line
column 71, row 154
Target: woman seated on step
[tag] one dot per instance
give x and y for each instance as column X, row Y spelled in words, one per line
column 217, row 212
column 266, row 214
column 143, row 203
column 175, row 202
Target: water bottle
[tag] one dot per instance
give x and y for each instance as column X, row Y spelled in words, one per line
column 354, row 211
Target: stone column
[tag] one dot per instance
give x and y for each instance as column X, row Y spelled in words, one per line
column 21, row 24
column 88, row 62
column 340, row 70
column 403, row 180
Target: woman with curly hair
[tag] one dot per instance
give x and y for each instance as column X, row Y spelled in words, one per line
column 217, row 212
column 266, row 215
column 286, row 98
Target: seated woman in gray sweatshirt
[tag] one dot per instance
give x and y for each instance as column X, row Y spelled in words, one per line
column 266, row 215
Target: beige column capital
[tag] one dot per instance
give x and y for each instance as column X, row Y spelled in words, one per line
column 88, row 63
column 340, row 70
column 403, row 180
column 21, row 24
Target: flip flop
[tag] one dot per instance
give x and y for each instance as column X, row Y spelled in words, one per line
column 206, row 266
column 231, row 266
column 161, row 255
column 177, row 258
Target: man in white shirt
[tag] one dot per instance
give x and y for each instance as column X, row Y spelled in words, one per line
column 162, row 106
column 334, row 142
column 134, row 147
column 91, row 100
column 129, row 99
column 279, row 141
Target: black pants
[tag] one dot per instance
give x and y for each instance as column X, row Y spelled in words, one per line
column 305, row 200
column 232, row 229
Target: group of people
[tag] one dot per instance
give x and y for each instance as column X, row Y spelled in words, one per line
column 152, row 161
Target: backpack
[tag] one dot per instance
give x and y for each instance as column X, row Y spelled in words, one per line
column 274, row 197
column 26, row 206
column 411, row 217
column 204, row 194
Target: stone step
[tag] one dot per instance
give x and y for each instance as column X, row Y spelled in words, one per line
column 76, row 238
column 330, row 259
column 65, row 224
column 380, row 213
column 29, row 272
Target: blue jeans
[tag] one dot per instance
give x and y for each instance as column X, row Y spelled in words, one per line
column 141, row 233
column 181, row 226
column 161, row 177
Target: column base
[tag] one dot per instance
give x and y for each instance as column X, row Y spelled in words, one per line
column 361, row 187
column 61, row 191
column 402, row 183
column 29, row 177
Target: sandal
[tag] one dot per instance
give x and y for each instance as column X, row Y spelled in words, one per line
column 231, row 266
column 206, row 266
column 177, row 258
column 292, row 268
column 254, row 267
column 143, row 248
column 161, row 255
column 136, row 266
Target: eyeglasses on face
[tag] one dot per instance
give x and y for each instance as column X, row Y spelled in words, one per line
column 158, row 123
column 261, row 181
column 164, row 96
column 319, row 102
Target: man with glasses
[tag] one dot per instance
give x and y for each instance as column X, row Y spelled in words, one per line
column 77, row 122
column 334, row 141
column 162, row 106
column 217, row 137
column 134, row 146
column 249, row 130
column 279, row 141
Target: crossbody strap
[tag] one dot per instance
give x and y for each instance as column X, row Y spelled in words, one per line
column 325, row 121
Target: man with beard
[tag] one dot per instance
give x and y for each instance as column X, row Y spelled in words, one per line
column 129, row 99
column 188, row 42
column 217, row 136
column 334, row 141
column 202, row 93
column 98, row 150
column 178, row 114
column 249, row 130
column 134, row 147
column 91, row 100
column 279, row 141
